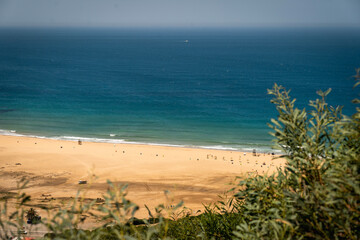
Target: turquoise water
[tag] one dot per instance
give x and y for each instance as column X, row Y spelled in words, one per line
column 175, row 87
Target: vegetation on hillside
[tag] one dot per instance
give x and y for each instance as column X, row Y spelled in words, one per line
column 315, row 196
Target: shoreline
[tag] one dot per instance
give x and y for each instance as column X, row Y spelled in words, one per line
column 195, row 176
column 247, row 149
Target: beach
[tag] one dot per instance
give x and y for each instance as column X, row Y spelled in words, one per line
column 54, row 168
column 139, row 119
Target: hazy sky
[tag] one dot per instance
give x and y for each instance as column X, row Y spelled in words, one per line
column 179, row 13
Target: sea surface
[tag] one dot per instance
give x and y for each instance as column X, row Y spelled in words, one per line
column 183, row 87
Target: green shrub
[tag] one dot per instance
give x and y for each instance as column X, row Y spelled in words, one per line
column 316, row 195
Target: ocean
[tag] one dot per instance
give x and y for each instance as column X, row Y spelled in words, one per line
column 182, row 87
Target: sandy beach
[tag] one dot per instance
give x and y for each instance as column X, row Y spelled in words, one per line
column 54, row 167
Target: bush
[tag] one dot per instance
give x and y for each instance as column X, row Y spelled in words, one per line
column 316, row 196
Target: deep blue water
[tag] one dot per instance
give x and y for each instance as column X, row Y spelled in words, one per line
column 184, row 87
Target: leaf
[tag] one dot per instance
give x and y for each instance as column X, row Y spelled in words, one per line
column 150, row 214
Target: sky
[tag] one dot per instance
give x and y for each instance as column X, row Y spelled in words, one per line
column 179, row 13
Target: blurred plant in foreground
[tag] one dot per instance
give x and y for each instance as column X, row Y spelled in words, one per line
column 316, row 196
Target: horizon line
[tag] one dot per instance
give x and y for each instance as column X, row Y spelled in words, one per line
column 355, row 26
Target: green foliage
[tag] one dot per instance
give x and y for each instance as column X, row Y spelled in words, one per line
column 216, row 222
column 12, row 222
column 316, row 196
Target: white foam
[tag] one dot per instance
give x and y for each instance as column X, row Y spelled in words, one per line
column 86, row 139
column 219, row 147
column 9, row 133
